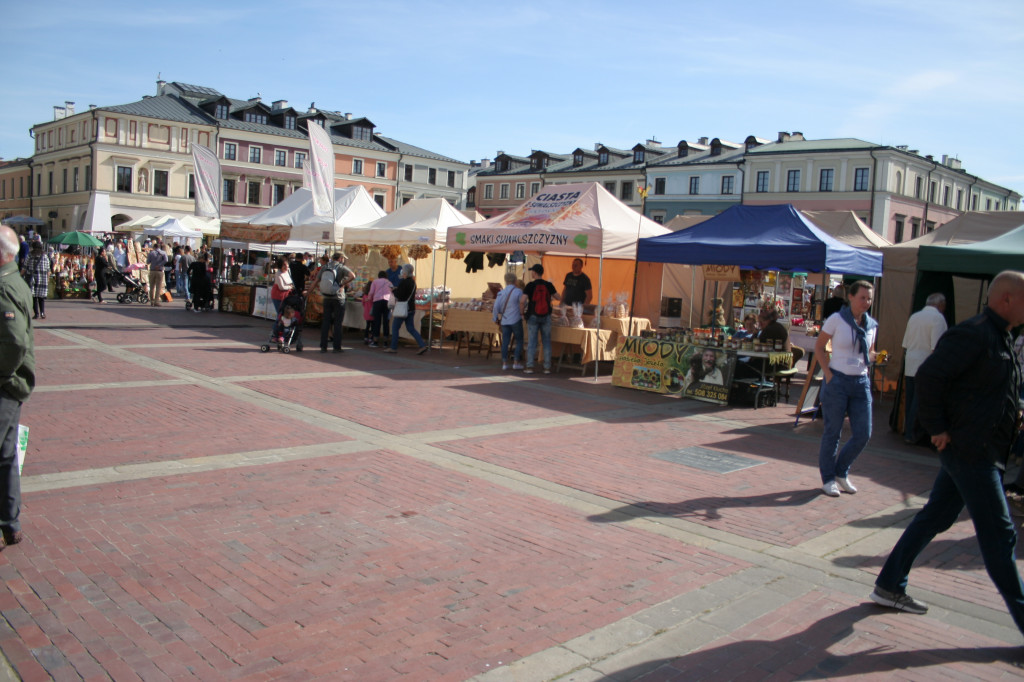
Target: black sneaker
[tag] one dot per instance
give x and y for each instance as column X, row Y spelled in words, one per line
column 900, row 602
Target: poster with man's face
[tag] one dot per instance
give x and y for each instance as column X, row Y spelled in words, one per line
column 668, row 367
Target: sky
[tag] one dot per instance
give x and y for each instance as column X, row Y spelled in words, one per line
column 467, row 79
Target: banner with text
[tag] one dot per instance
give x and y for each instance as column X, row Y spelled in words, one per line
column 722, row 273
column 668, row 367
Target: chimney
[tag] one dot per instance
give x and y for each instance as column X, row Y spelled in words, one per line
column 499, row 153
column 280, row 104
column 783, row 136
column 70, row 107
column 348, row 117
column 653, row 143
column 914, row 151
column 256, row 99
column 92, row 107
column 945, row 160
column 485, row 163
column 702, row 140
column 954, row 163
column 796, row 136
column 930, row 157
column 160, row 83
column 59, row 112
column 598, row 145
column 312, row 108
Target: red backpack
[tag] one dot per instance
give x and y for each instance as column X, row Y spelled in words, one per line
column 541, row 299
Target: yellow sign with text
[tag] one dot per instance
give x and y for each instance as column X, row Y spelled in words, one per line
column 722, row 273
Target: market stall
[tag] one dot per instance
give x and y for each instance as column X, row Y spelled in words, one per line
column 577, row 220
column 761, row 239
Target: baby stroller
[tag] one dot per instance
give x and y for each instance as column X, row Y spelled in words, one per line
column 286, row 337
column 133, row 292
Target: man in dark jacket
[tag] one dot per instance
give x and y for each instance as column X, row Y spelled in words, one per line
column 969, row 405
column 17, row 379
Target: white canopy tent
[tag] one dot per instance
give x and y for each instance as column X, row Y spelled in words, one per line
column 293, row 218
column 421, row 221
column 172, row 229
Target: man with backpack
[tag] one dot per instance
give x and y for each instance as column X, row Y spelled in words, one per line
column 332, row 280
column 536, row 306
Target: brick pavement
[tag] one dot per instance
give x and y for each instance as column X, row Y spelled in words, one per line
column 195, row 509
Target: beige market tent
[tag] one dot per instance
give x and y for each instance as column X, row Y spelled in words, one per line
column 294, row 218
column 895, row 295
column 847, row 228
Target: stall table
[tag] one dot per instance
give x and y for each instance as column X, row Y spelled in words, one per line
column 464, row 324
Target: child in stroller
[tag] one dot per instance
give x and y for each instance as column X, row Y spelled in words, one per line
column 133, row 289
column 287, row 329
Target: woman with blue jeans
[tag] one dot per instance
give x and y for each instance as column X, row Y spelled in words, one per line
column 507, row 313
column 405, row 291
column 846, row 389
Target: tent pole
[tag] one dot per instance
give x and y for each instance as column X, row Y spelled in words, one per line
column 440, row 339
column 430, row 298
column 597, row 309
column 693, row 286
column 632, row 297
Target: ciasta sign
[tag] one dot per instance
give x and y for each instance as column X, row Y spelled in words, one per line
column 722, row 273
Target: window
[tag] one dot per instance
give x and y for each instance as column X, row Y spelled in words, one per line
column 503, row 192
column 915, row 228
column 280, row 157
column 408, row 173
column 577, row 159
column 974, row 202
column 793, row 181
column 357, row 166
column 727, row 183
column 762, row 181
column 39, row 184
column 929, row 226
column 64, row 180
column 860, row 179
column 278, row 195
column 638, row 156
column 191, row 192
column 362, row 133
column 49, row 182
column 659, row 185
column 520, row 190
column 382, row 169
column 658, row 218
column 899, row 231
column 254, row 192
column 88, row 178
column 899, row 182
column 221, row 111
column 160, row 183
column 959, row 199
column 229, row 191
column 255, row 154
column 534, row 189
column 253, row 117
column 300, row 159
column 488, row 191
column 379, row 198
column 988, row 204
column 918, row 182
column 289, row 122
column 74, row 182
column 230, row 151
column 124, row 179
column 945, row 196
column 931, row 191
column 451, row 178
column 627, row 191
column 610, row 186
column 432, row 178
column 602, row 157
column 825, row 179
column 694, row 185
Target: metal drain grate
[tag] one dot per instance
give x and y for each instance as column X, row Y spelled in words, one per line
column 707, row 459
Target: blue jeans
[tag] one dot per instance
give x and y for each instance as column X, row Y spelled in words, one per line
column 409, row 322
column 910, row 433
column 977, row 484
column 10, row 480
column 540, row 324
column 843, row 395
column 507, row 332
column 334, row 313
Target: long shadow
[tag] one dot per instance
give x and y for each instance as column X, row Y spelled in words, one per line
column 804, row 655
column 946, row 555
column 706, row 508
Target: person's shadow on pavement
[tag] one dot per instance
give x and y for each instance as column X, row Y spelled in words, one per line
column 706, row 507
column 804, row 655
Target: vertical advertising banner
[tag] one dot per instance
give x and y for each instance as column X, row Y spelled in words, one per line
column 668, row 367
column 207, row 181
column 321, row 171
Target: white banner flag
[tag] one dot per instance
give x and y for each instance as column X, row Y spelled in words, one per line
column 321, row 171
column 207, row 181
column 307, row 179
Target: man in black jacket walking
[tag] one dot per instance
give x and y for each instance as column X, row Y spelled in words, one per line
column 969, row 405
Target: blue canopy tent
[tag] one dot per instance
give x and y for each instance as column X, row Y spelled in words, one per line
column 776, row 237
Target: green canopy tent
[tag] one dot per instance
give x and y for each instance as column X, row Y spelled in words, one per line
column 76, row 238
column 937, row 265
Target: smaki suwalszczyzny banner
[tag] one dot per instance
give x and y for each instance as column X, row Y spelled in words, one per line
column 698, row 372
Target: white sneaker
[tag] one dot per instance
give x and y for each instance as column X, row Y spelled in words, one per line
column 504, row 366
column 846, row 485
column 830, row 489
column 517, row 366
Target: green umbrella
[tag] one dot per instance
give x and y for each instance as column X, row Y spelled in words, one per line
column 76, row 238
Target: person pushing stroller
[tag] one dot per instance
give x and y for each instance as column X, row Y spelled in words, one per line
column 287, row 331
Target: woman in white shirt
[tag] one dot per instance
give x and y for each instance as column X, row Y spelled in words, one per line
column 282, row 284
column 846, row 389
